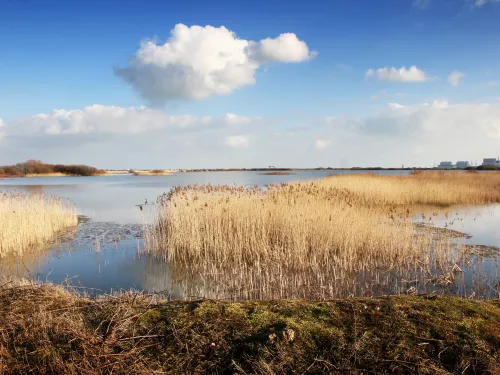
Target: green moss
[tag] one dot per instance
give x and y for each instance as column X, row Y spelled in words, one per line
column 401, row 334
column 150, row 318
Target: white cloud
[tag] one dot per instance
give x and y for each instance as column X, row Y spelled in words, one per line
column 412, row 74
column 237, row 141
column 114, row 137
column 493, row 83
column 2, row 129
column 321, row 144
column 197, row 62
column 480, row 3
column 100, row 119
column 437, row 121
column 455, row 77
column 285, row 48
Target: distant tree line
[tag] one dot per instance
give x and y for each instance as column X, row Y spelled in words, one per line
column 34, row 167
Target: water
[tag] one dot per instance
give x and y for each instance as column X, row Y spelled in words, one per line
column 102, row 255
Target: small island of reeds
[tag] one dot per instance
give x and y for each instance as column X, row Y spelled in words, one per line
column 330, row 238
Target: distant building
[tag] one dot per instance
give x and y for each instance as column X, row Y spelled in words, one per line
column 491, row 161
column 463, row 164
column 446, row 164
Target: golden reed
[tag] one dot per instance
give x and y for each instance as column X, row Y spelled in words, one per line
column 32, row 220
column 316, row 239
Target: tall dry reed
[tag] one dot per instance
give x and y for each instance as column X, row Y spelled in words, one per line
column 337, row 236
column 417, row 189
column 32, row 220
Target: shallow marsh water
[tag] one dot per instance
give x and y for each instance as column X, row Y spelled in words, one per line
column 103, row 254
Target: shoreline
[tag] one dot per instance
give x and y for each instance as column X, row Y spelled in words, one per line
column 264, row 171
column 315, row 169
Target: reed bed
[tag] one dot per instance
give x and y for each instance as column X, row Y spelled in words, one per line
column 438, row 189
column 335, row 237
column 28, row 221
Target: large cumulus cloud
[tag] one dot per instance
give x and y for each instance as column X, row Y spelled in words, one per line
column 197, row 62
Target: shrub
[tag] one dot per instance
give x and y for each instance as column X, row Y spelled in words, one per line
column 487, row 168
column 38, row 167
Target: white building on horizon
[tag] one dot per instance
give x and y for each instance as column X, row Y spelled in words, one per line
column 491, row 161
column 463, row 164
column 446, row 165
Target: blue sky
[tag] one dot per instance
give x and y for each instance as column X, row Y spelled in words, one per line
column 64, row 55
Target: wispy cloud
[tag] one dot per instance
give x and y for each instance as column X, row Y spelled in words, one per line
column 123, row 121
column 395, row 134
column 2, row 129
column 481, row 3
column 422, row 4
column 238, row 141
column 402, row 75
column 321, row 144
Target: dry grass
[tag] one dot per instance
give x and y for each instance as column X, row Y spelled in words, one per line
column 155, row 172
column 339, row 236
column 116, row 172
column 32, row 220
column 418, row 188
column 47, row 175
column 45, row 329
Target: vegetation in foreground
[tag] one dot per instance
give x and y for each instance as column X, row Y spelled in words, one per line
column 329, row 238
column 31, row 220
column 48, row 330
column 33, row 168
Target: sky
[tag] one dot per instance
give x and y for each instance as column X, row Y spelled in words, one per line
column 228, row 84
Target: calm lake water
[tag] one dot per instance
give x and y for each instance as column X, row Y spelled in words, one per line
column 102, row 254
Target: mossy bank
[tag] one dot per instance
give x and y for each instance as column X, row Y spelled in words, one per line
column 48, row 330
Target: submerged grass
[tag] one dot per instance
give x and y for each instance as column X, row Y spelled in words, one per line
column 46, row 329
column 32, row 220
column 335, row 237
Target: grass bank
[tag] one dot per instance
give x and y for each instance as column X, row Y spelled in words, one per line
column 32, row 220
column 48, row 330
column 154, row 172
column 334, row 237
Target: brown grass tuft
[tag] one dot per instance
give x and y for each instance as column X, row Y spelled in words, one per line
column 45, row 329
